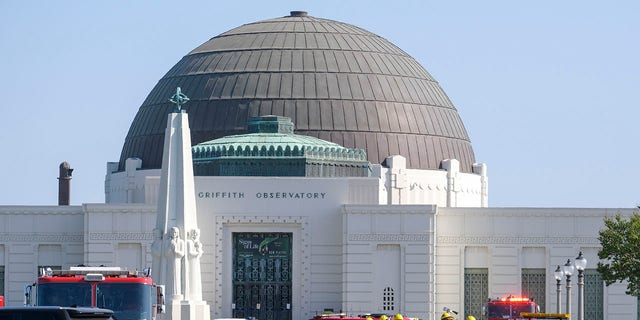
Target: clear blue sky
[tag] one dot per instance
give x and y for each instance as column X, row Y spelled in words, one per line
column 548, row 90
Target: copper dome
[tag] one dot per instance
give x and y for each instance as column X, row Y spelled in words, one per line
column 337, row 82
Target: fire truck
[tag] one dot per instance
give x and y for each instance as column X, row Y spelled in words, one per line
column 130, row 294
column 373, row 316
column 509, row 308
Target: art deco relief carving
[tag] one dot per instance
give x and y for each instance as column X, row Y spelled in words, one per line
column 174, row 262
column 40, row 237
column 121, row 236
column 420, row 237
column 517, row 240
column 419, row 186
column 426, row 186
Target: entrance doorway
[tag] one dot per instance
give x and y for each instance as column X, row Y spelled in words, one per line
column 262, row 275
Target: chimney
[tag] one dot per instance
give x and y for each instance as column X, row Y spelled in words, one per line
column 64, row 184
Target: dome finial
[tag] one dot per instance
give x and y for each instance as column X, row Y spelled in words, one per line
column 298, row 13
column 179, row 99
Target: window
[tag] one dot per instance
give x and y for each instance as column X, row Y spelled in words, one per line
column 49, row 255
column 40, row 268
column 388, row 299
column 476, row 290
column 593, row 295
column 1, row 280
column 533, row 285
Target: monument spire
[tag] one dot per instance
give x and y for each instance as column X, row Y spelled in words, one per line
column 179, row 99
column 176, row 248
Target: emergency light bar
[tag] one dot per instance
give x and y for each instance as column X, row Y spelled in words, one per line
column 96, row 268
column 106, row 271
column 514, row 299
column 94, row 277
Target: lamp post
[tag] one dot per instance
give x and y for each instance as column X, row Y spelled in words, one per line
column 568, row 271
column 581, row 264
column 558, row 274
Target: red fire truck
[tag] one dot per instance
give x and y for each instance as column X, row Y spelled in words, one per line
column 509, row 308
column 131, row 295
column 373, row 316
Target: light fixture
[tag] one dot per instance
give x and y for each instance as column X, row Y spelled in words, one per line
column 558, row 273
column 581, row 262
column 568, row 271
column 568, row 268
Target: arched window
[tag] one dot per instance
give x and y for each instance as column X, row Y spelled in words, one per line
column 388, row 299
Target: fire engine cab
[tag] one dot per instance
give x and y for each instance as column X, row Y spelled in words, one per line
column 131, row 295
column 509, row 308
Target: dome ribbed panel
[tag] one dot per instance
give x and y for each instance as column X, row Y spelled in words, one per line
column 336, row 81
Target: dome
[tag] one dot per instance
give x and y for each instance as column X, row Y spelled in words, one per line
column 336, row 81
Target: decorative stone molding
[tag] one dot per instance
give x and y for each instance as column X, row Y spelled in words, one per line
column 426, row 186
column 41, row 210
column 418, row 237
column 517, row 240
column 401, row 209
column 40, row 237
column 119, row 208
column 533, row 212
column 141, row 236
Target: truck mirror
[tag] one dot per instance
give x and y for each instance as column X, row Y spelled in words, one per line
column 160, row 299
column 27, row 294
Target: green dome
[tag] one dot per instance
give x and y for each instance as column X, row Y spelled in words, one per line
column 272, row 149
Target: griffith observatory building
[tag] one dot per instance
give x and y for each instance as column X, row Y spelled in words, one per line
column 330, row 171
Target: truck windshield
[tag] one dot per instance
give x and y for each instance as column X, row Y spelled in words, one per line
column 509, row 310
column 129, row 301
column 64, row 294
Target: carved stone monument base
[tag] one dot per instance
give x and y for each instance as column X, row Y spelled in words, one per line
column 189, row 310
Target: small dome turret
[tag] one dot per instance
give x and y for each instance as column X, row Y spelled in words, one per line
column 272, row 149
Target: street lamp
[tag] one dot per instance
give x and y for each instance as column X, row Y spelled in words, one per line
column 568, row 271
column 581, row 263
column 558, row 274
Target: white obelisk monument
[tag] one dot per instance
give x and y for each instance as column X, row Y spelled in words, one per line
column 177, row 248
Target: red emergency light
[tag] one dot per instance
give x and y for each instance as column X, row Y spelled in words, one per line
column 514, row 299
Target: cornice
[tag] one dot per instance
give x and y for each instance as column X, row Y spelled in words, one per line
column 415, row 237
column 519, row 212
column 138, row 236
column 462, row 240
column 388, row 209
column 78, row 210
column 41, row 237
column 26, row 210
column 92, row 208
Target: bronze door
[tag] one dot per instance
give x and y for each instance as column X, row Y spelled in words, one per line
column 262, row 275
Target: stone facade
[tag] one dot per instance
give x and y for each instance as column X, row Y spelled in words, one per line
column 348, row 249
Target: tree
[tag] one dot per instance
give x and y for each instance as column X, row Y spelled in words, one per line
column 620, row 253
